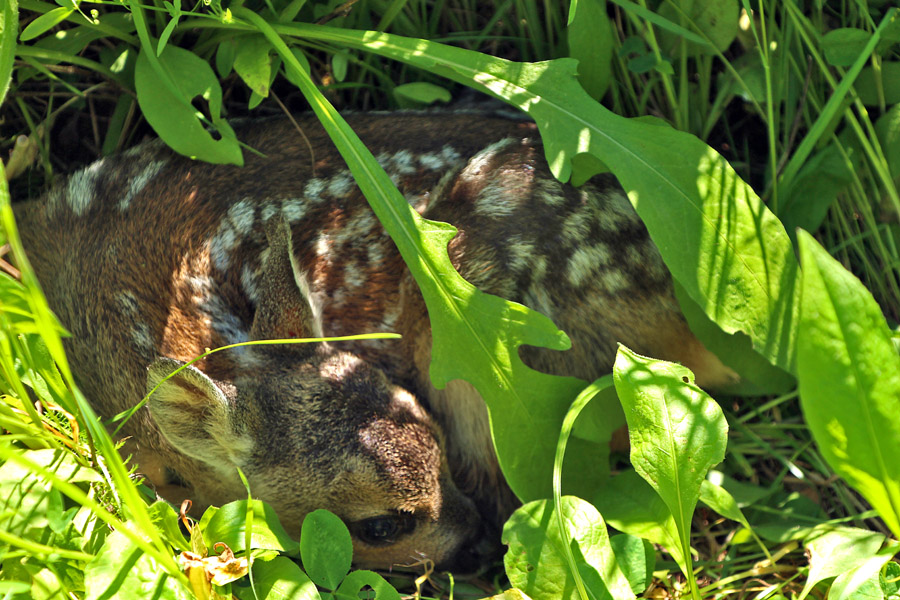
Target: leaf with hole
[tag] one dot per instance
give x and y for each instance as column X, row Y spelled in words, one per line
column 165, row 98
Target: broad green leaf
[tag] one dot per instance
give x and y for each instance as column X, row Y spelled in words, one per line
column 758, row 376
column 677, row 432
column 849, row 375
column 228, row 525
column 422, row 92
column 717, row 498
column 842, row 46
column 325, row 548
column 718, row 239
column 532, row 404
column 253, row 63
column 887, row 79
column 590, row 40
column 637, row 559
column 357, row 580
column 165, row 99
column 166, row 519
column 225, row 57
column 279, row 579
column 887, row 128
column 716, row 19
column 45, row 22
column 121, row 571
column 536, row 562
column 863, row 582
column 834, row 551
column 9, row 25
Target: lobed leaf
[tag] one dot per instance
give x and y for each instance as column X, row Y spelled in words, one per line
column 849, row 376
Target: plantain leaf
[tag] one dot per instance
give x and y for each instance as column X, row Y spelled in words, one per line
column 677, row 432
column 9, row 25
column 849, row 376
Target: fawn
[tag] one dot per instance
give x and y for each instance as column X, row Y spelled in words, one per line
column 148, row 258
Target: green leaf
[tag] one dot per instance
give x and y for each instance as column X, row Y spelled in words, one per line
column 45, row 22
column 536, row 559
column 863, row 582
column 357, row 580
column 225, row 57
column 834, row 551
column 422, row 92
column 122, row 571
column 590, row 40
column 849, row 375
column 325, row 548
column 165, row 98
column 677, row 432
column 279, row 579
column 637, row 559
column 339, row 66
column 717, row 20
column 229, row 523
column 9, row 24
column 887, row 128
column 887, row 79
column 253, row 63
column 842, row 46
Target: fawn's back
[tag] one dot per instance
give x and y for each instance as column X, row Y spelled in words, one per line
column 149, row 259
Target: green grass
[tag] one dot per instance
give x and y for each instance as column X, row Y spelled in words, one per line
column 760, row 98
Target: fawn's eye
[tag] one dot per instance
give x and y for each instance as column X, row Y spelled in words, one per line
column 380, row 531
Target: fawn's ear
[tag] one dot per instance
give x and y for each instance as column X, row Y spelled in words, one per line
column 285, row 309
column 196, row 415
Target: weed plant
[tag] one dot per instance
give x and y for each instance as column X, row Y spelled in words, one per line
column 761, row 143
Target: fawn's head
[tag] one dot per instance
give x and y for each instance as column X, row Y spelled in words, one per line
column 312, row 427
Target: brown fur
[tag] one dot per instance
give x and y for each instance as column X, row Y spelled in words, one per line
column 149, row 259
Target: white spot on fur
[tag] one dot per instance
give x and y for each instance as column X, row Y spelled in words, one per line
column 242, row 215
column 269, row 210
column 613, row 280
column 82, row 186
column 338, row 367
column 549, row 191
column 375, row 252
column 340, row 185
column 402, row 163
column 313, row 190
column 249, row 283
column 521, row 253
column 390, row 316
column 354, row 276
column 324, row 245
column 617, row 213
column 223, row 321
column 221, row 245
column 494, row 201
column 293, row 210
column 585, row 261
column 139, row 182
column 128, row 306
